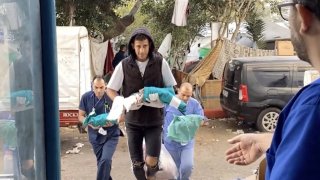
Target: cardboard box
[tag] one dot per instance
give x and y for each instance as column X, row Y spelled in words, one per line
column 284, row 48
column 210, row 94
column 211, row 103
column 211, row 88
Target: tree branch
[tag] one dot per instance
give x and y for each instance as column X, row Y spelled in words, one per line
column 121, row 25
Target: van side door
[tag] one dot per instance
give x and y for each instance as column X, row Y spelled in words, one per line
column 270, row 83
column 298, row 77
column 229, row 97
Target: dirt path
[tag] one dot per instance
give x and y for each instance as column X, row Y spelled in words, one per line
column 209, row 155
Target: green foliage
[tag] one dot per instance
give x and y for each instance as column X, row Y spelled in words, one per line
column 159, row 14
column 273, row 6
column 272, row 9
column 103, row 16
column 255, row 27
column 96, row 15
column 139, row 21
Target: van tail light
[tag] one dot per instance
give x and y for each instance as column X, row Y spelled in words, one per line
column 222, row 83
column 243, row 93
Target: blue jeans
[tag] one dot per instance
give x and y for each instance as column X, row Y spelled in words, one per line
column 104, row 152
column 183, row 158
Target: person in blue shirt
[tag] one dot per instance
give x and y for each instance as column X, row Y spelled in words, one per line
column 182, row 153
column 292, row 152
column 104, row 139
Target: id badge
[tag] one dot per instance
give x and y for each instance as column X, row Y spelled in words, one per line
column 102, row 131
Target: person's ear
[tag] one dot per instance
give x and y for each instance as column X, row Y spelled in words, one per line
column 306, row 18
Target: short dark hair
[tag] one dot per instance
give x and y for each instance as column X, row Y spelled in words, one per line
column 312, row 5
column 141, row 37
column 122, row 46
column 98, row 77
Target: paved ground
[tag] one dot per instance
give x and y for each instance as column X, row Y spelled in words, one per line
column 209, row 155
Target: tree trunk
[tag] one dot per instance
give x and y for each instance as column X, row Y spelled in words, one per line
column 239, row 18
column 72, row 9
column 236, row 31
column 121, row 25
column 135, row 7
column 225, row 19
column 223, row 29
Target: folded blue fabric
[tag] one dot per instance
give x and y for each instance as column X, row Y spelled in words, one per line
column 182, row 129
column 166, row 95
column 98, row 120
column 23, row 93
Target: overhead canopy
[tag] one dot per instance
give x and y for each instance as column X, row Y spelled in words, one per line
column 202, row 71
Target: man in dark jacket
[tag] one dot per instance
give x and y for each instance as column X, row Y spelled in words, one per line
column 141, row 69
column 119, row 56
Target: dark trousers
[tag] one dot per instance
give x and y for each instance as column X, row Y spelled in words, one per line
column 25, row 136
column 104, row 153
column 152, row 136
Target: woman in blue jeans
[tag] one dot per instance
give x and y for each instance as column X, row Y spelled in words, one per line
column 182, row 153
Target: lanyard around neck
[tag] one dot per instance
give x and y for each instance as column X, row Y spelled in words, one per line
column 95, row 104
column 94, row 98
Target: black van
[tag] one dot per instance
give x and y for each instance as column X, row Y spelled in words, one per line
column 255, row 89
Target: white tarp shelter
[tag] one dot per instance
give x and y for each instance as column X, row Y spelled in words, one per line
column 74, row 64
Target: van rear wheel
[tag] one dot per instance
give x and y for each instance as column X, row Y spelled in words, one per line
column 267, row 119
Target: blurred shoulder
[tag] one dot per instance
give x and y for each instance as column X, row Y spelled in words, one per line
column 87, row 94
column 310, row 95
column 193, row 100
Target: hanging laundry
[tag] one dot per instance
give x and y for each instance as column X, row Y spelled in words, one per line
column 98, row 56
column 180, row 12
column 164, row 48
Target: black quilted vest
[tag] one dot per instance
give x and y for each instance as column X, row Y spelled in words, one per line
column 133, row 82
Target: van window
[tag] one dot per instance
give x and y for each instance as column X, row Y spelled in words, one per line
column 299, row 76
column 270, row 77
column 232, row 75
column 228, row 73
